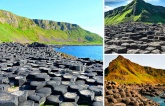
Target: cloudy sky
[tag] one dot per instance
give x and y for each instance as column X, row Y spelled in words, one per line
column 86, row 13
column 155, row 61
column 111, row 4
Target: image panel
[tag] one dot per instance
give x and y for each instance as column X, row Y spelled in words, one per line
column 136, row 80
column 134, row 26
column 51, row 53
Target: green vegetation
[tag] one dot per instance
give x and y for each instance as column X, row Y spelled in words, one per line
column 13, row 87
column 42, row 104
column 24, row 30
column 136, row 11
column 123, row 70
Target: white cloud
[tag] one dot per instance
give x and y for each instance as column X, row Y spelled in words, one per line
column 113, row 0
column 152, row 0
column 110, row 7
column 129, row 1
column 107, row 8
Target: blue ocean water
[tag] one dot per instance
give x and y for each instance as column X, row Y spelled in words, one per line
column 92, row 52
column 158, row 100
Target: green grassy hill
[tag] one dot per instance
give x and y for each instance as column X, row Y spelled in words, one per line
column 123, row 70
column 24, row 30
column 136, row 11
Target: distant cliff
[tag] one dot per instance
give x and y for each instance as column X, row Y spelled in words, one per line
column 46, row 24
column 23, row 30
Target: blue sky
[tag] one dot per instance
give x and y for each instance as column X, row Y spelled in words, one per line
column 111, row 4
column 86, row 13
column 155, row 61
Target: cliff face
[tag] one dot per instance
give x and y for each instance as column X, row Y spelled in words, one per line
column 23, row 30
column 123, row 70
column 14, row 20
column 46, row 24
column 136, row 11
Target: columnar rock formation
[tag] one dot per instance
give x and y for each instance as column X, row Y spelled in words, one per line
column 135, row 38
column 125, row 95
column 31, row 75
column 128, row 83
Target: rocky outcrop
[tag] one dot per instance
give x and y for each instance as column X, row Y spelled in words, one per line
column 36, row 75
column 125, row 95
column 37, row 44
column 125, row 71
column 135, row 38
column 47, row 24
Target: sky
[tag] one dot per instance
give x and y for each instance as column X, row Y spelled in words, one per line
column 155, row 61
column 111, row 4
column 86, row 13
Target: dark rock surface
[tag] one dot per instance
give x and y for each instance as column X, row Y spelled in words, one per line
column 135, row 38
column 36, row 74
column 36, row 44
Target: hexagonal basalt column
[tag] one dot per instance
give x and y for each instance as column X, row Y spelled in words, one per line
column 7, row 99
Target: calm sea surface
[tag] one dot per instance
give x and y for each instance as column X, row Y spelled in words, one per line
column 158, row 100
column 92, row 52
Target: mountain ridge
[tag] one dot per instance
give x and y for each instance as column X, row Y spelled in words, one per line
column 136, row 11
column 123, row 70
column 24, row 30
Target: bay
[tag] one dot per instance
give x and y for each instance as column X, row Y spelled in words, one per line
column 92, row 52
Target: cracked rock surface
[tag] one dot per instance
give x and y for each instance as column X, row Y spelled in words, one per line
column 135, row 38
column 36, row 74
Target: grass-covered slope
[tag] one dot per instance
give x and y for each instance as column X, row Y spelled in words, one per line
column 24, row 30
column 124, row 71
column 136, row 11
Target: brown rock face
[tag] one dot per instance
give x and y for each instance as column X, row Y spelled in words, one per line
column 123, row 70
column 125, row 95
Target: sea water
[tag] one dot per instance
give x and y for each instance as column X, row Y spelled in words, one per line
column 92, row 52
column 157, row 99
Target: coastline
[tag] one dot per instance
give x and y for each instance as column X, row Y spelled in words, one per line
column 92, row 52
column 53, row 45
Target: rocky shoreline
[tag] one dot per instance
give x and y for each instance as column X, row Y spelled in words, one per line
column 135, row 38
column 35, row 74
column 59, row 46
column 131, row 94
